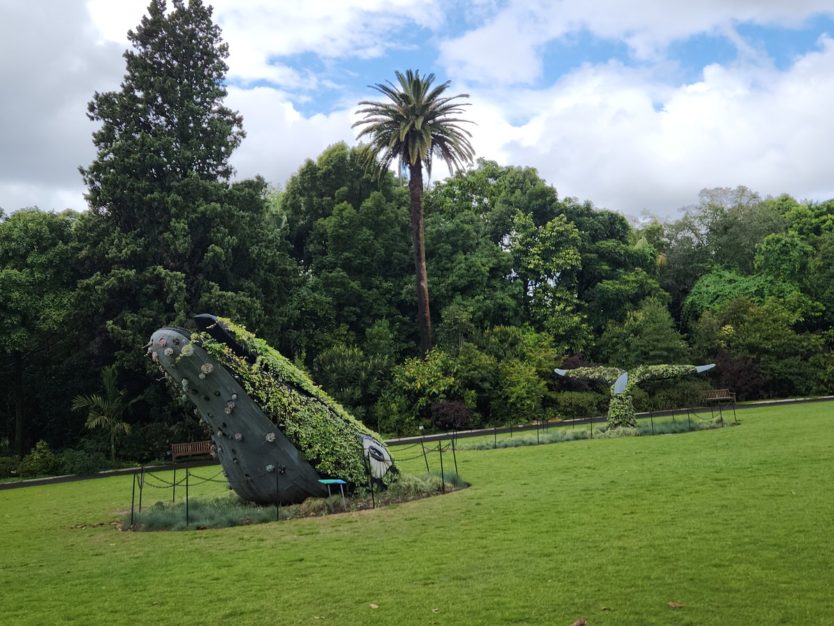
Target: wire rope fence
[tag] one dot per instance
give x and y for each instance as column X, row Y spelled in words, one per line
column 554, row 431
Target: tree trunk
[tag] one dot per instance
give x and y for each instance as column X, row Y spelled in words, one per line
column 415, row 188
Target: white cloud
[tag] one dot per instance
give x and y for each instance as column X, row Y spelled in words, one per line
column 599, row 134
column 625, row 138
column 259, row 31
column 43, row 124
column 279, row 138
column 507, row 48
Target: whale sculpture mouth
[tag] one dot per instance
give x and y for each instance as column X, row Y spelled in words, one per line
column 269, row 438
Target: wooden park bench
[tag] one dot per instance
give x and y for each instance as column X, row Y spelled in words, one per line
column 190, row 449
column 719, row 395
column 721, row 398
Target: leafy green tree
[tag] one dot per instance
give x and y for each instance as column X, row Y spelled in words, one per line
column 38, row 272
column 718, row 288
column 167, row 235
column 417, row 384
column 501, row 251
column 106, row 411
column 166, row 123
column 361, row 257
column 760, row 351
column 542, row 259
column 617, row 271
column 417, row 122
column 337, row 176
column 350, row 233
column 469, row 270
column 721, row 231
column 647, row 337
column 819, row 279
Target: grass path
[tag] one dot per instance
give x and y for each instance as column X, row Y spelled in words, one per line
column 734, row 524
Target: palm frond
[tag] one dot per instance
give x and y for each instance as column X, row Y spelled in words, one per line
column 416, row 122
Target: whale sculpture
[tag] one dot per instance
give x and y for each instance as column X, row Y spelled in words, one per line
column 275, row 433
column 620, row 407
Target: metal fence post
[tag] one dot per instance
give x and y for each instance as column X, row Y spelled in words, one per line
column 141, row 485
column 442, row 475
column 277, row 497
column 186, row 497
column 454, row 453
column 132, row 498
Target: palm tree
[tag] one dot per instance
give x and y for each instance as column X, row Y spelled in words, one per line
column 106, row 411
column 415, row 123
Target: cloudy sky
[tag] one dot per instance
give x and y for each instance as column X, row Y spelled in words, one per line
column 634, row 105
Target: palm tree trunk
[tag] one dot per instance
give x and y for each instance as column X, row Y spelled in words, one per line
column 415, row 188
column 113, row 447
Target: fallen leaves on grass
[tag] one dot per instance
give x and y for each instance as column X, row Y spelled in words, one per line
column 672, row 604
column 580, row 622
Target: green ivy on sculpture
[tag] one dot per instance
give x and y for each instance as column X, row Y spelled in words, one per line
column 315, row 423
column 621, row 407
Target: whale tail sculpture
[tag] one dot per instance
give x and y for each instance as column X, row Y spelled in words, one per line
column 620, row 408
column 275, row 433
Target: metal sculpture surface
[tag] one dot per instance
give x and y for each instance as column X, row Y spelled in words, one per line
column 275, row 433
column 620, row 407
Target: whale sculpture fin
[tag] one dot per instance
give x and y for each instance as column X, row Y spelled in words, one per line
column 620, row 383
column 219, row 331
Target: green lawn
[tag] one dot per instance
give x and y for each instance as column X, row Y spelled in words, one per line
column 735, row 524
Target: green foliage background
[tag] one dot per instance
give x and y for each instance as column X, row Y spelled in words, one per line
column 521, row 280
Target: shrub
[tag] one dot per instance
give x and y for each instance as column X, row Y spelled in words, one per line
column 451, row 415
column 548, row 437
column 8, row 466
column 450, row 478
column 663, row 395
column 412, row 486
column 312, row 507
column 82, row 462
column 616, row 433
column 218, row 513
column 41, row 461
column 573, row 404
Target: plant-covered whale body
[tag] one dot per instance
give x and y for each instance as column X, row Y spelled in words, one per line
column 275, row 432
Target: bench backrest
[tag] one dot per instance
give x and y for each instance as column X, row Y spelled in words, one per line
column 719, row 394
column 192, row 448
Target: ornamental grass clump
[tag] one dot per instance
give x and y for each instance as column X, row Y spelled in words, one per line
column 220, row 512
column 231, row 510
